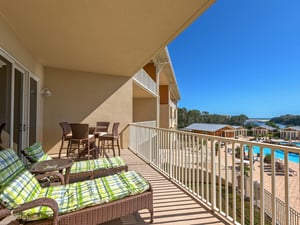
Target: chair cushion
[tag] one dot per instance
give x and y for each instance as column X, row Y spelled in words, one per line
column 23, row 188
column 135, row 183
column 10, row 166
column 35, row 153
column 97, row 164
column 116, row 161
column 83, row 194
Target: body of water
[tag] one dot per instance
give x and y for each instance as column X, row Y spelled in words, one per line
column 279, row 154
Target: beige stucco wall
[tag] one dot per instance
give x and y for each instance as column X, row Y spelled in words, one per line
column 144, row 109
column 87, row 98
column 10, row 43
column 164, row 116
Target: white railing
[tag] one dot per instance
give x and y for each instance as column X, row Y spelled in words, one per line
column 172, row 104
column 190, row 160
column 151, row 123
column 143, row 79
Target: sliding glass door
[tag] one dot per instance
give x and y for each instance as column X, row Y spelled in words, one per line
column 19, row 111
column 18, row 105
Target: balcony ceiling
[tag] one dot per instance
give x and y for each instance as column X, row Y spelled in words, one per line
column 112, row 37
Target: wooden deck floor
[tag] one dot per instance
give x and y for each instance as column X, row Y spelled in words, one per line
column 172, row 206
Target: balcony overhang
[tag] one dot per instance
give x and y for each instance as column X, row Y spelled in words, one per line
column 167, row 75
column 107, row 37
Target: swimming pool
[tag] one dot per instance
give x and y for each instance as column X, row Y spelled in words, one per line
column 279, row 154
column 286, row 142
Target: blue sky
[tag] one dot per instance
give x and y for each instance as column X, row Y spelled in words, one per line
column 241, row 57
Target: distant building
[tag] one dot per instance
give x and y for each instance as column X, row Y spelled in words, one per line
column 263, row 130
column 222, row 130
column 290, row 133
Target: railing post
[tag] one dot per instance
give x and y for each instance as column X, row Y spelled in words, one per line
column 286, row 190
column 213, row 175
column 150, row 146
column 273, row 201
column 262, row 184
column 233, row 183
column 170, row 146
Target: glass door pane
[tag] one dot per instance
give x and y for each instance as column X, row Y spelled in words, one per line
column 18, row 123
column 5, row 101
column 32, row 111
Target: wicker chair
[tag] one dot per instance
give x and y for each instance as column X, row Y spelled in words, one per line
column 82, row 140
column 102, row 128
column 80, row 170
column 109, row 141
column 66, row 136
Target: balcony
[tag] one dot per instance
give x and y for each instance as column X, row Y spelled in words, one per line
column 208, row 171
column 145, row 81
column 172, row 205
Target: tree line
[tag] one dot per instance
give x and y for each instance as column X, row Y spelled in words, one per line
column 187, row 117
column 288, row 120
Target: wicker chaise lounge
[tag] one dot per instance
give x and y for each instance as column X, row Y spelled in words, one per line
column 80, row 170
column 88, row 202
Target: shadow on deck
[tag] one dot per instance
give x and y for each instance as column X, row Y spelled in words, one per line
column 171, row 204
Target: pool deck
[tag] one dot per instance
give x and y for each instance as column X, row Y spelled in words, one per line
column 294, row 182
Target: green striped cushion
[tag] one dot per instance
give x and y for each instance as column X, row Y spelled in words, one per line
column 23, row 188
column 97, row 164
column 111, row 188
column 72, row 197
column 79, row 195
column 10, row 166
column 116, row 161
column 36, row 153
column 135, row 183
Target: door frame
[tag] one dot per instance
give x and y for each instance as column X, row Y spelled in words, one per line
column 27, row 74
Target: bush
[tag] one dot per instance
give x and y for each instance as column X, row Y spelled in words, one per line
column 267, row 158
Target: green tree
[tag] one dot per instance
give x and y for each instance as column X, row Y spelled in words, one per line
column 238, row 120
column 182, row 117
column 272, row 124
column 194, row 116
column 289, row 120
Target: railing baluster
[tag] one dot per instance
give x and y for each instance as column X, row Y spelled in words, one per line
column 185, row 161
column 189, row 162
column 202, row 168
column 226, row 180
column 286, row 188
column 170, row 151
column 206, row 173
column 220, row 176
column 182, row 154
column 242, row 177
column 193, row 165
column 273, row 201
column 250, row 156
column 262, row 185
column 213, row 175
column 233, row 184
column 197, row 167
